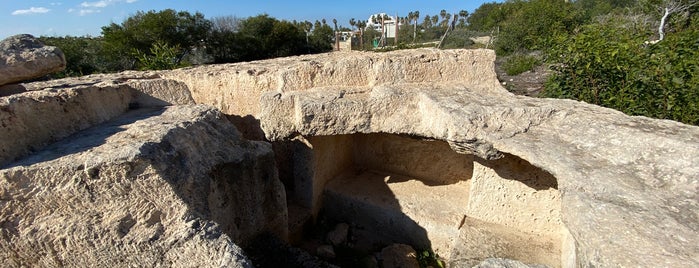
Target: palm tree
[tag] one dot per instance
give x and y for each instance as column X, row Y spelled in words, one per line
column 427, row 22
column 463, row 14
column 443, row 15
column 361, row 25
column 384, row 18
column 416, row 17
column 352, row 22
column 337, row 38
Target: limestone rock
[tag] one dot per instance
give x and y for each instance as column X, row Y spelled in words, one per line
column 505, row 263
column 173, row 186
column 50, row 111
column 399, row 256
column 338, row 236
column 236, row 88
column 622, row 180
column 326, row 252
column 24, row 57
column 623, row 189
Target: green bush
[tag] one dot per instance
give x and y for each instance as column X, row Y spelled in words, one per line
column 458, row 38
column 84, row 55
column 427, row 258
column 611, row 65
column 519, row 63
column 161, row 57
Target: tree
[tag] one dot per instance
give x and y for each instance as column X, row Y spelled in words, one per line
column 463, row 15
column 446, row 16
column 321, row 38
column 84, row 55
column 487, row 17
column 352, row 22
column 225, row 24
column 361, row 25
column 530, row 25
column 415, row 17
column 603, row 63
column 669, row 7
column 427, row 22
column 138, row 33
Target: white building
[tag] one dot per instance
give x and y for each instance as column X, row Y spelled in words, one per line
column 389, row 24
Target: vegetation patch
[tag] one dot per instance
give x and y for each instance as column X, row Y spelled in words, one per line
column 519, row 63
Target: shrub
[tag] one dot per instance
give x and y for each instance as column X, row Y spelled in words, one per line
column 459, row 38
column 610, row 65
column 161, row 57
column 519, row 63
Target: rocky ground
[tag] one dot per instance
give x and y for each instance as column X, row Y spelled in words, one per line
column 529, row 83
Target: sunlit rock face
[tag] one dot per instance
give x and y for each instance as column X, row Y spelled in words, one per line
column 23, row 57
column 418, row 147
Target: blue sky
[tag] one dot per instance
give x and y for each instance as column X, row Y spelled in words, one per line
column 77, row 18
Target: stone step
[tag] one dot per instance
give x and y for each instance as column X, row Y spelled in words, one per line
column 169, row 186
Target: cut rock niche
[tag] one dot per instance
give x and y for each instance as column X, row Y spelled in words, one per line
column 410, row 190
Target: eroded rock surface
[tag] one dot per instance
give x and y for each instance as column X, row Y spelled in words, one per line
column 623, row 180
column 156, row 187
column 586, row 186
column 24, row 57
column 50, row 111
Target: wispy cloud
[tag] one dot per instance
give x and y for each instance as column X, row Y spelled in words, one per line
column 84, row 11
column 31, row 10
column 86, row 8
column 95, row 4
column 104, row 3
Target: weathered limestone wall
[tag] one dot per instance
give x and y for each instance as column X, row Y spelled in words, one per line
column 50, row 111
column 236, row 88
column 614, row 172
column 431, row 161
column 157, row 187
column 32, row 120
column 420, row 192
column 511, row 192
column 320, row 160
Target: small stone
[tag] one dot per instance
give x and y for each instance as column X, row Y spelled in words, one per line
column 399, row 256
column 338, row 236
column 326, row 252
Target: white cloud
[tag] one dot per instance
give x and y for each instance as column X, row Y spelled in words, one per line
column 56, row 3
column 31, row 10
column 103, row 3
column 96, row 7
column 84, row 12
